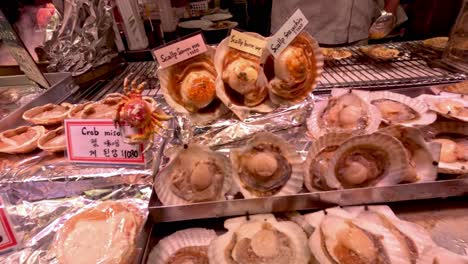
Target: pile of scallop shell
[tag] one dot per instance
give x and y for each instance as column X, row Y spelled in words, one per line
column 48, row 133
column 358, row 234
column 203, row 86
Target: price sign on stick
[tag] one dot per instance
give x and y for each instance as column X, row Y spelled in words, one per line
column 247, row 43
column 8, row 238
column 99, row 141
column 19, row 52
column 180, row 51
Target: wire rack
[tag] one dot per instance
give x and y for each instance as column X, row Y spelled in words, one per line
column 414, row 67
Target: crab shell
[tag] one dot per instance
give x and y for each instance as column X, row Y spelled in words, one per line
column 105, row 108
column 434, row 101
column 197, row 152
column 313, row 122
column 297, row 70
column 241, row 227
column 317, row 146
column 77, row 110
column 293, row 184
column 171, row 89
column 395, row 165
column 242, row 111
column 170, row 245
column 426, row 117
column 10, row 145
column 55, row 114
column 53, row 140
column 459, row 128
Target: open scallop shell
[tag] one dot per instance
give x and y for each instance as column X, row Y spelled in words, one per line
column 395, row 164
column 317, row 128
column 380, row 52
column 443, row 105
column 189, row 157
column 238, row 108
column 196, row 238
column 297, row 70
column 324, row 143
column 252, row 231
column 449, row 128
column 171, row 77
column 53, row 140
column 22, row 139
column 424, row 116
column 49, row 114
column 424, row 156
column 104, row 109
column 291, row 186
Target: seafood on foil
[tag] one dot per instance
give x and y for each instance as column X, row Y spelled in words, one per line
column 184, row 246
column 260, row 239
column 194, row 174
column 297, row 70
column 267, row 166
column 189, row 87
column 345, row 111
column 49, row 114
column 241, row 83
column 22, row 139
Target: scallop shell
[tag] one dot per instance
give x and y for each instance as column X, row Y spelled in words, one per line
column 460, row 128
column 166, row 77
column 168, row 246
column 293, row 185
column 240, row 228
column 163, row 183
column 325, row 141
column 397, row 164
column 9, row 145
column 425, row 116
column 426, row 156
column 313, row 122
column 433, row 100
column 240, row 110
column 438, row 43
column 335, row 54
column 290, row 90
column 380, row 52
column 49, row 114
column 53, row 140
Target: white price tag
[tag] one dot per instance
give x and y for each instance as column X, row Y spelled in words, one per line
column 8, row 238
column 180, row 51
column 99, row 141
column 286, row 34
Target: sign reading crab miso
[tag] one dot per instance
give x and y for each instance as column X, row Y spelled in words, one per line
column 286, row 34
column 246, row 43
column 180, row 51
column 7, row 234
column 100, row 141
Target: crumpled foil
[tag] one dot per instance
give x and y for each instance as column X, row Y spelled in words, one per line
column 85, row 38
column 36, row 223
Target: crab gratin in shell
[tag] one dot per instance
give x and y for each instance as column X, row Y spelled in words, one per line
column 22, row 139
column 194, row 174
column 53, row 140
column 103, row 109
column 346, row 111
column 267, row 166
column 297, row 70
column 261, row 239
column 49, row 114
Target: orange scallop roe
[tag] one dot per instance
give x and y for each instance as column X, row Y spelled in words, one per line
column 203, row 90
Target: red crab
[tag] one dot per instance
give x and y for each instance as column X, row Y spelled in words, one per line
column 138, row 113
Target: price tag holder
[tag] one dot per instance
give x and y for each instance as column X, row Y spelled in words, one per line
column 247, row 43
column 99, row 141
column 286, row 34
column 180, row 51
column 19, row 52
column 8, row 239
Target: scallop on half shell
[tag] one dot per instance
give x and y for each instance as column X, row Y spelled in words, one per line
column 241, row 84
column 49, row 114
column 194, row 174
column 189, row 88
column 267, row 166
column 368, row 160
column 346, row 111
column 22, row 139
column 261, row 239
column 319, row 155
column 452, row 107
column 401, row 109
column 297, row 70
column 453, row 138
column 184, row 246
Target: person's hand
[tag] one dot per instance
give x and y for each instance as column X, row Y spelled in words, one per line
column 382, row 26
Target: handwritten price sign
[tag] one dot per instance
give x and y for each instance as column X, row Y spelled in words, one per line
column 286, row 34
column 99, row 141
column 7, row 235
column 180, row 51
column 246, row 43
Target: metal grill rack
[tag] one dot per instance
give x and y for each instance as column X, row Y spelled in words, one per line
column 409, row 69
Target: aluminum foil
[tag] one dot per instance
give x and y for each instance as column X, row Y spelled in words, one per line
column 85, row 38
column 36, row 223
